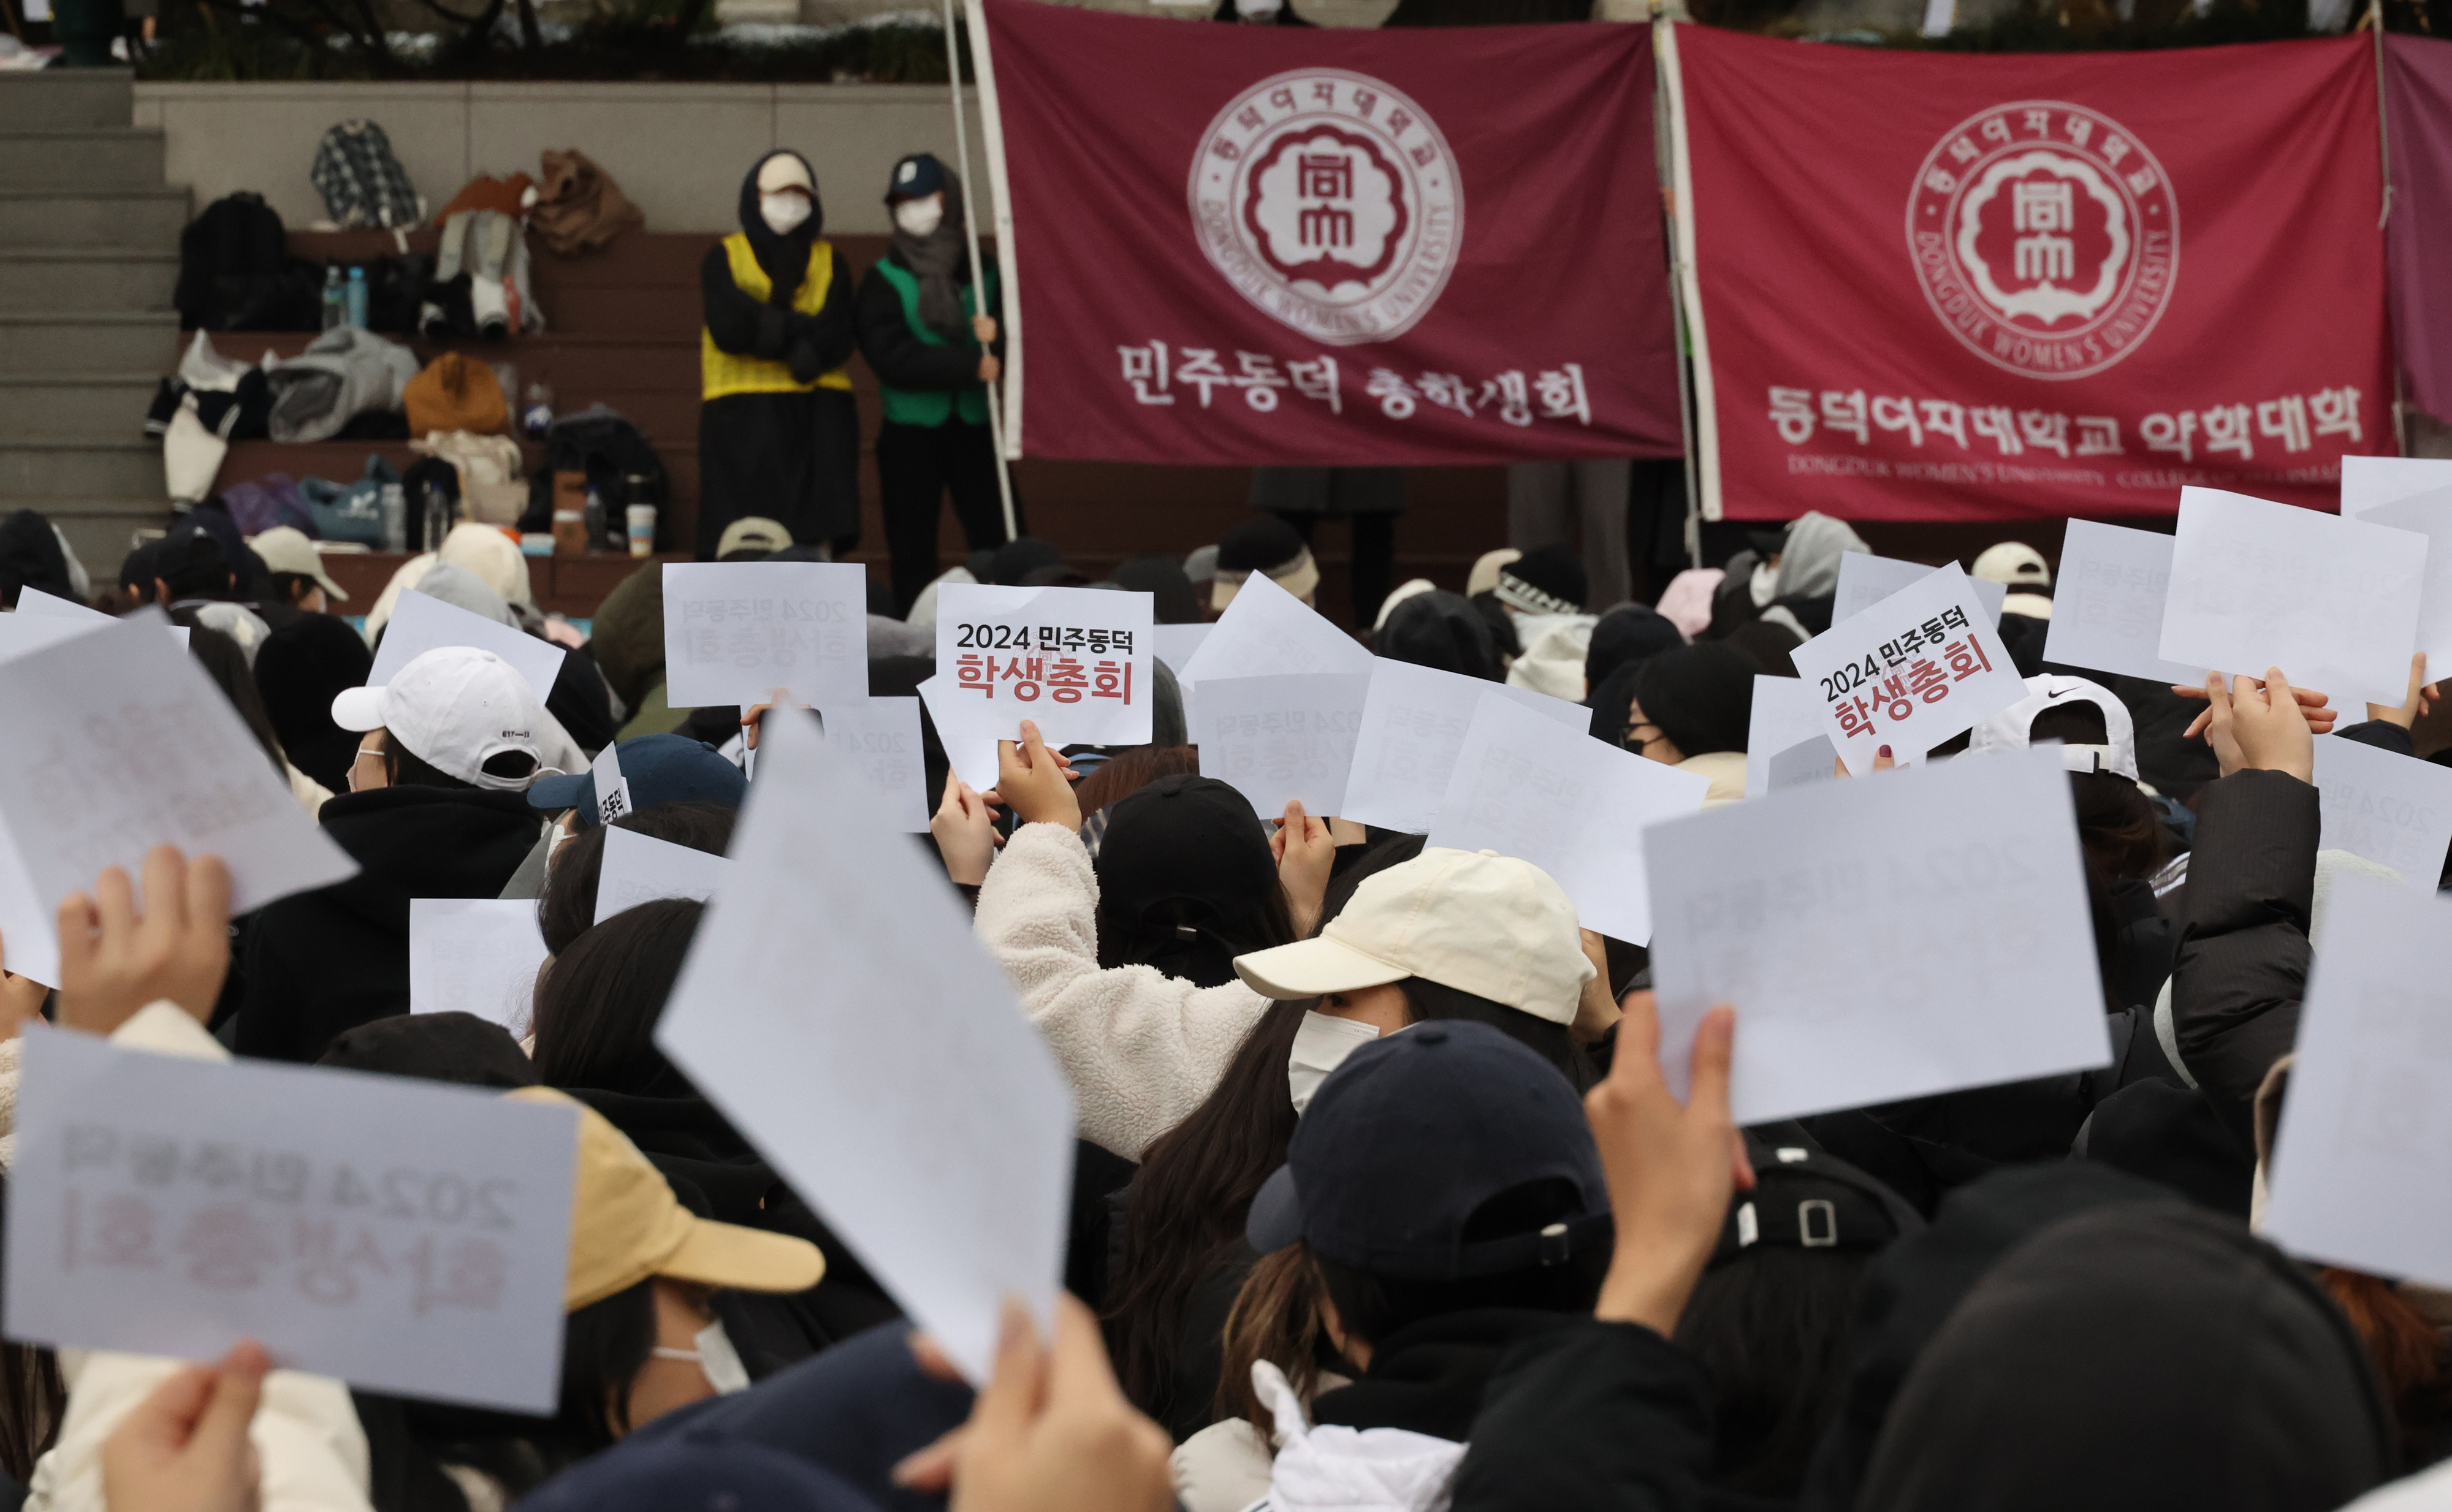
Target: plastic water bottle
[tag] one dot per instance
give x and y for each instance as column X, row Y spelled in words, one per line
column 357, row 293
column 335, row 304
column 395, row 517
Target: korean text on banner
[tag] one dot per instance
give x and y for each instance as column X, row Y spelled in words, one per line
column 1575, row 807
column 1413, row 724
column 476, row 955
column 406, row 1236
column 2107, row 604
column 1849, row 923
column 1910, row 671
column 735, row 631
column 1280, row 738
column 2387, row 808
column 2027, row 286
column 1322, row 245
column 2364, row 1127
column 903, row 1066
column 1866, row 580
column 423, row 623
column 2332, row 603
column 116, row 742
column 1075, row 661
column 639, row 868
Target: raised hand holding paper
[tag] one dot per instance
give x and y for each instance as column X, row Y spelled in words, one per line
column 476, row 955
column 2367, row 481
column 2107, row 604
column 1276, row 738
column 1785, row 714
column 2393, row 810
column 882, row 737
column 1884, row 939
column 421, row 623
column 2332, row 603
column 1866, row 580
column 2366, row 1129
column 735, row 631
column 406, row 1236
column 1910, row 671
column 639, row 868
column 1075, row 661
column 115, row 742
column 1529, row 787
column 835, row 1007
column 1413, row 723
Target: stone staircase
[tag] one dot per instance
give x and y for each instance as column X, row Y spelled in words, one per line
column 88, row 256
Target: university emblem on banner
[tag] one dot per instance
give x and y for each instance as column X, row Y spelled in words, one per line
column 1329, row 200
column 2045, row 236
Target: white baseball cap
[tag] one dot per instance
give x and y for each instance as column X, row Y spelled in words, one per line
column 1474, row 920
column 2010, row 729
column 285, row 548
column 455, row 708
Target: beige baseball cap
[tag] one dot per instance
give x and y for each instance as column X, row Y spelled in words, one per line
column 1474, row 920
column 285, row 548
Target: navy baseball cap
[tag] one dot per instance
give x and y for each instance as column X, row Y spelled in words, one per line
column 659, row 769
column 1415, row 1131
column 696, row 1468
column 915, row 178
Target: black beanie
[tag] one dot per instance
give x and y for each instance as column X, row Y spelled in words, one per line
column 1544, row 580
column 1702, row 697
column 1442, row 630
column 1262, row 545
column 1626, row 635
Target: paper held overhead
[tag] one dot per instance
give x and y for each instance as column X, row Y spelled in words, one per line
column 2387, row 808
column 2107, row 604
column 639, row 868
column 1074, row 661
column 735, row 631
column 1882, row 938
column 837, row 1009
column 1276, row 740
column 1910, row 671
column 424, row 623
column 1865, row 581
column 1413, row 723
column 476, row 955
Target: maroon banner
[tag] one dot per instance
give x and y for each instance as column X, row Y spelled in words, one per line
column 1954, row 288
column 1257, row 245
column 2417, row 90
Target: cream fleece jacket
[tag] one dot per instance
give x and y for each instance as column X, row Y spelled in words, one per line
column 1140, row 1048
column 311, row 1451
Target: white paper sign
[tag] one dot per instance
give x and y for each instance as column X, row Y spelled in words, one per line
column 2332, row 603
column 1575, row 807
column 1074, row 661
column 1280, row 738
column 1881, row 937
column 612, row 788
column 2429, row 515
column 406, row 1236
column 838, row 1009
column 639, row 868
column 2367, row 1124
column 1866, row 580
column 31, row 630
column 424, row 623
column 1785, row 714
column 114, row 742
column 2107, row 604
column 735, row 631
column 47, row 605
column 2367, row 481
column 1413, row 723
column 967, row 731
column 1176, row 644
column 1810, row 760
column 1268, row 632
column 1910, row 671
column 2393, row 810
column 882, row 737
column 475, row 956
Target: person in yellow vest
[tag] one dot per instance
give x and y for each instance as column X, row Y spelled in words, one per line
column 778, row 433
column 934, row 351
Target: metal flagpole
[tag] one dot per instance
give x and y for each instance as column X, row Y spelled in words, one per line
column 971, row 245
column 2374, row 21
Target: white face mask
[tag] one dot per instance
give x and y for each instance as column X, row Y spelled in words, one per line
column 783, row 213
column 1320, row 1047
column 921, row 217
column 716, row 1360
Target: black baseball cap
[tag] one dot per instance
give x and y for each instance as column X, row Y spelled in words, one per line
column 1185, row 837
column 1413, row 1135
column 1805, row 1198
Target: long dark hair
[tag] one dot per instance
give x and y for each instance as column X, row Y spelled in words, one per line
column 567, row 906
column 597, row 1008
column 1769, row 1329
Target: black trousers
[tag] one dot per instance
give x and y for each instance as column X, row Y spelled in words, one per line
column 916, row 465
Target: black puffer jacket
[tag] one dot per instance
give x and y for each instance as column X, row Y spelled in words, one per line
column 323, row 962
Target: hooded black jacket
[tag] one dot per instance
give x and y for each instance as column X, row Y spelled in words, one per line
column 323, row 962
column 770, row 328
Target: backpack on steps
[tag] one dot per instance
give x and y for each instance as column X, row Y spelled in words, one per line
column 236, row 274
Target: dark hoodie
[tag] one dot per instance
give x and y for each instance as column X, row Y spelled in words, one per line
column 323, row 962
column 31, row 558
column 299, row 670
column 770, row 328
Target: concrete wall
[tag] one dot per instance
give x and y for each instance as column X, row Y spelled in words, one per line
column 678, row 149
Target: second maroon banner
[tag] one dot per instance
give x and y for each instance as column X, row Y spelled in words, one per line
column 1951, row 287
column 1265, row 244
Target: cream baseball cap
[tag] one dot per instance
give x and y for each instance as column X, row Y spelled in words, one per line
column 1474, row 920
column 285, row 548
